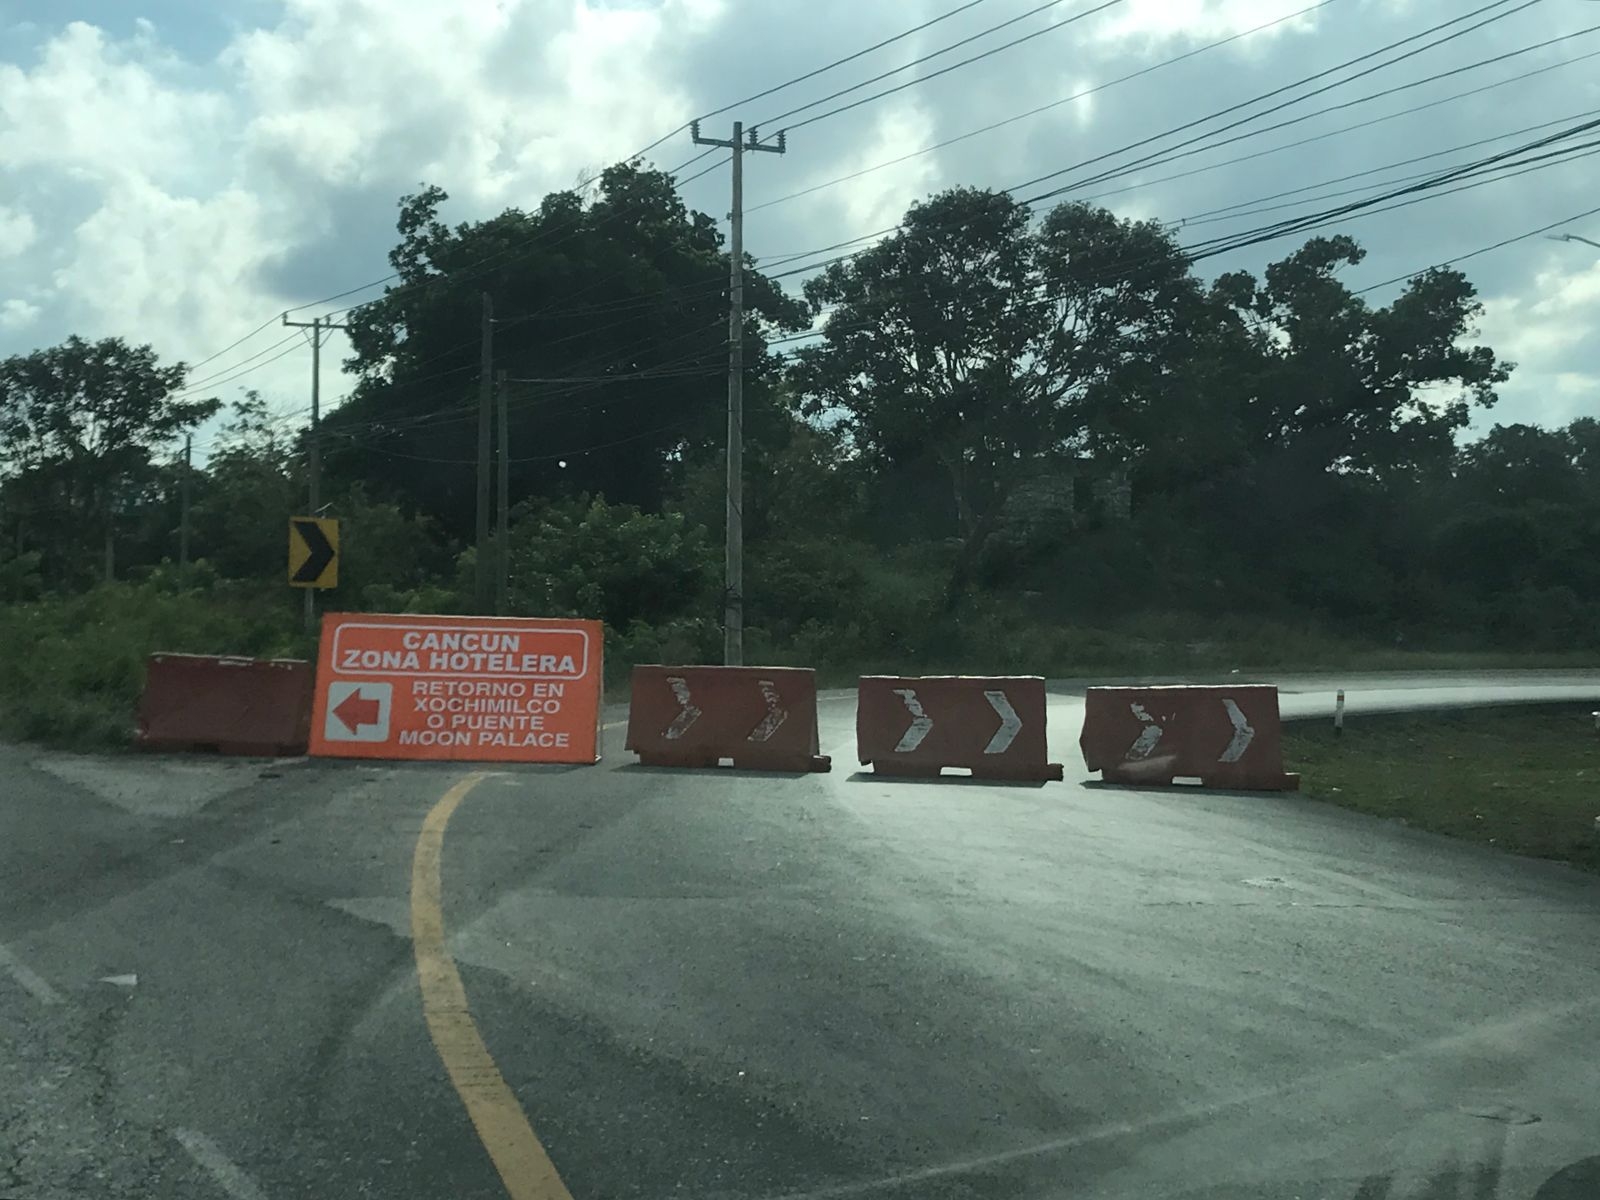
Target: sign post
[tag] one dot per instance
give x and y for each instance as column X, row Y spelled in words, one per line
column 475, row 689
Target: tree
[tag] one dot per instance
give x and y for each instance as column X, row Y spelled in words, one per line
column 583, row 557
column 1347, row 387
column 968, row 341
column 79, row 425
column 616, row 308
column 245, row 495
column 1522, row 464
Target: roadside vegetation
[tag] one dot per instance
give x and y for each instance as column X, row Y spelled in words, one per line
column 1521, row 779
column 983, row 444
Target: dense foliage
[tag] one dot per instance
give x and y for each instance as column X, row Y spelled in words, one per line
column 1014, row 443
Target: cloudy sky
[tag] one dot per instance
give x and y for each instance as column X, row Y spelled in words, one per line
column 179, row 172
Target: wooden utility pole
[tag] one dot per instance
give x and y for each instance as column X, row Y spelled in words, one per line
column 183, row 501
column 483, row 592
column 502, row 581
column 733, row 604
column 110, row 552
column 319, row 327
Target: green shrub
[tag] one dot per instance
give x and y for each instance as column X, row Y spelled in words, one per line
column 71, row 668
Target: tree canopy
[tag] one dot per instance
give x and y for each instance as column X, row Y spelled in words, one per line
column 610, row 320
column 1006, row 423
column 80, row 424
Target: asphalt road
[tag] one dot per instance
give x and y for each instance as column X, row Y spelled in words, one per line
column 723, row 985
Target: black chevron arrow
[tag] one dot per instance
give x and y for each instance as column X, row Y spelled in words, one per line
column 321, row 552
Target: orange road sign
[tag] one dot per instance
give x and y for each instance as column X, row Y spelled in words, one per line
column 477, row 689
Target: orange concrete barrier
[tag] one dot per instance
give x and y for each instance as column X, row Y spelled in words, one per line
column 762, row 718
column 473, row 689
column 225, row 705
column 1226, row 737
column 919, row 726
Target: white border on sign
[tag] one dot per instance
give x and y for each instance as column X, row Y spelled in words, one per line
column 426, row 674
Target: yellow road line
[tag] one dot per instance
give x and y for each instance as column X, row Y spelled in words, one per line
column 519, row 1156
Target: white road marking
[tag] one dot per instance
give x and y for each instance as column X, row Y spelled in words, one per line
column 30, row 982
column 1009, row 723
column 1148, row 736
column 128, row 981
column 775, row 715
column 921, row 722
column 1243, row 735
column 215, row 1163
column 689, row 715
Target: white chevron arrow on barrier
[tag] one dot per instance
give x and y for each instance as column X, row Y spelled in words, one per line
column 1009, row 723
column 921, row 722
column 689, row 714
column 775, row 715
column 1145, row 743
column 1243, row 735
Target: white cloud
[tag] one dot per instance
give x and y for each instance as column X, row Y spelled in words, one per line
column 1548, row 329
column 17, row 314
column 184, row 183
column 183, row 199
column 1556, row 314
column 104, row 111
column 496, row 99
column 1081, row 110
column 17, row 231
column 1202, row 18
column 877, row 201
column 170, row 262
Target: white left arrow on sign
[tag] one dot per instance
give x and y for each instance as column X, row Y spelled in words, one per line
column 775, row 714
column 1009, row 723
column 689, row 714
column 921, row 722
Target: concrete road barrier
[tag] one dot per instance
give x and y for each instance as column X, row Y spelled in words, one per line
column 918, row 726
column 225, row 705
column 761, row 718
column 1226, row 737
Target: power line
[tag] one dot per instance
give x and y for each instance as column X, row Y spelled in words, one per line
column 788, row 83
column 1417, row 193
column 630, row 158
column 718, row 165
column 839, row 62
column 1231, row 211
column 1504, row 172
column 1032, row 112
column 241, row 369
column 856, row 87
column 267, row 324
column 1460, row 258
column 676, row 423
column 921, row 79
column 660, row 370
column 1157, row 160
column 1299, row 224
column 1307, row 141
column 1412, row 53
column 211, row 383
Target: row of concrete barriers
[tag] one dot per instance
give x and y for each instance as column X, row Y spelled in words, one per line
column 765, row 718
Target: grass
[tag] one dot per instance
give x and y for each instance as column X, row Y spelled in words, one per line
column 1524, row 779
column 71, row 670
